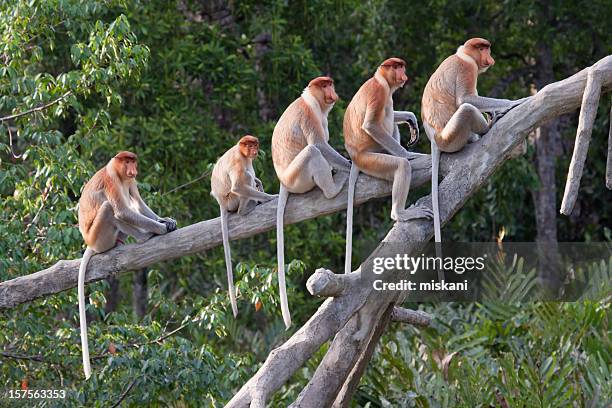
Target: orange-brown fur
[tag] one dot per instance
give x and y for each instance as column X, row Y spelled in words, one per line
column 454, row 77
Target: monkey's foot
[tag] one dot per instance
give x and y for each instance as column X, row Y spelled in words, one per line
column 412, row 213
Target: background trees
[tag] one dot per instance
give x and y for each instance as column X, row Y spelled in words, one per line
column 179, row 82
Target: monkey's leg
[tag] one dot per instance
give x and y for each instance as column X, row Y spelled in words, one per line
column 246, row 206
column 103, row 233
column 309, row 169
column 462, row 125
column 398, row 170
column 127, row 229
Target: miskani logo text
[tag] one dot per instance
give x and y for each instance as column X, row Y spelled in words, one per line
column 411, row 264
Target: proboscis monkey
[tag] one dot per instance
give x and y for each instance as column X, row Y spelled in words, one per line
column 236, row 189
column 451, row 108
column 110, row 209
column 372, row 139
column 303, row 159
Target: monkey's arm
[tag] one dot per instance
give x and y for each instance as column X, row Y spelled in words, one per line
column 314, row 136
column 485, row 104
column 410, row 118
column 243, row 189
column 142, row 206
column 333, row 156
column 371, row 125
column 144, row 209
column 405, row 116
column 122, row 212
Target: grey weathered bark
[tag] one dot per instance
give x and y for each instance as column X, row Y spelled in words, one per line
column 468, row 170
column 140, row 293
column 195, row 238
column 588, row 111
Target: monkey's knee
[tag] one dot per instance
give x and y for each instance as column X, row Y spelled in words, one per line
column 468, row 109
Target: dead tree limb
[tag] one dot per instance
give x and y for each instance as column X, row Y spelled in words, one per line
column 468, row 170
column 194, row 238
column 590, row 100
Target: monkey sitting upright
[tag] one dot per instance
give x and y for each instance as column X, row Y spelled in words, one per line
column 372, row 139
column 451, row 108
column 110, row 209
column 303, row 159
column 236, row 189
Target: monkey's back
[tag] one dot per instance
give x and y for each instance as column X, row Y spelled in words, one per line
column 356, row 140
column 439, row 101
column 92, row 197
column 220, row 182
column 288, row 139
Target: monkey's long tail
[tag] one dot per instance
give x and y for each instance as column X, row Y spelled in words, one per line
column 352, row 181
column 228, row 261
column 435, row 166
column 283, row 194
column 82, row 316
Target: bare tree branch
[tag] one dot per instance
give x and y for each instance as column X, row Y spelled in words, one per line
column 590, row 100
column 194, row 238
column 468, row 171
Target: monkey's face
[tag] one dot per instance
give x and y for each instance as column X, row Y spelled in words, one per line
column 480, row 50
column 249, row 149
column 485, row 60
column 325, row 93
column 394, row 71
column 129, row 168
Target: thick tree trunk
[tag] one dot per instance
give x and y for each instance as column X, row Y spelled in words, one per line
column 113, row 294
column 547, row 147
column 140, row 295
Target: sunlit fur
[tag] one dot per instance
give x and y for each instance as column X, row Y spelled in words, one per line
column 235, row 187
column 457, row 72
column 111, row 205
column 309, row 111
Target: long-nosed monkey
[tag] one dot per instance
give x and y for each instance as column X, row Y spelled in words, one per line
column 236, row 189
column 110, row 210
column 303, row 159
column 372, row 139
column 451, row 108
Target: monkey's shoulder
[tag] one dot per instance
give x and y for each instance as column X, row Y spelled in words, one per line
column 375, row 90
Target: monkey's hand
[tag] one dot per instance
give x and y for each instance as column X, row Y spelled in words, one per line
column 259, row 185
column 410, row 119
column 169, row 222
column 513, row 104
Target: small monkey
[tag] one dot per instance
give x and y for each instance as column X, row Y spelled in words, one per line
column 451, row 108
column 303, row 159
column 236, row 189
column 110, row 209
column 372, row 139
